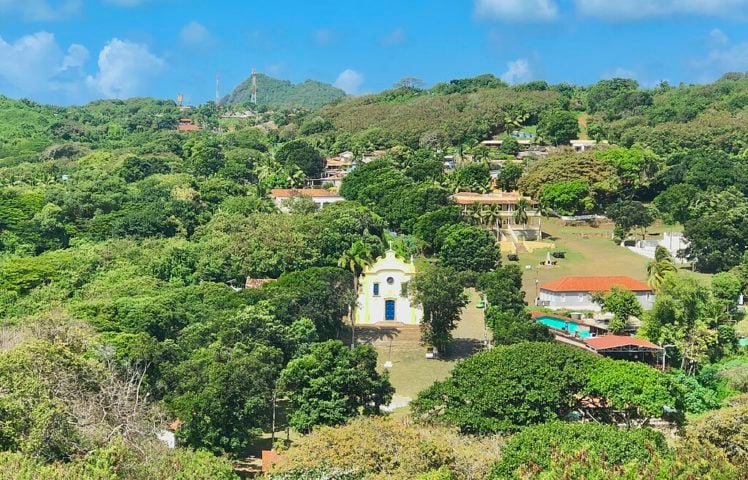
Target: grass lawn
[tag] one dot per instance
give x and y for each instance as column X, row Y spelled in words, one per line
column 411, row 371
column 589, row 251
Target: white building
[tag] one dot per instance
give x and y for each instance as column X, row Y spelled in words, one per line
column 382, row 296
column 320, row 196
column 507, row 203
column 582, row 145
column 673, row 242
column 575, row 293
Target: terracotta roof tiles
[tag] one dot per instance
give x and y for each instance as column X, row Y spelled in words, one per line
column 595, row 284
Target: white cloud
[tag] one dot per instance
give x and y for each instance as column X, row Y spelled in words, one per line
column 394, row 38
column 517, row 71
column 517, row 10
column 194, row 34
column 40, row 10
column 349, row 81
column 35, row 65
column 732, row 58
column 644, row 9
column 124, row 69
column 718, row 37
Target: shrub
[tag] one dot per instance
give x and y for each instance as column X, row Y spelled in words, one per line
column 508, row 387
column 386, row 448
column 535, row 447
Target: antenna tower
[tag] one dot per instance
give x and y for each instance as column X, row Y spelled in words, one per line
column 218, row 89
column 253, row 99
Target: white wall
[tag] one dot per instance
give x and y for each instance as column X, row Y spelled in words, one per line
column 583, row 300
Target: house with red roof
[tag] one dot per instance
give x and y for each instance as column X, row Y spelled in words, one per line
column 575, row 293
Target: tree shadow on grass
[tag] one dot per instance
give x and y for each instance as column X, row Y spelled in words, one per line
column 370, row 335
column 461, row 348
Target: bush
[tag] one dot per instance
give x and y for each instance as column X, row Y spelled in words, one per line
column 507, row 388
column 725, row 429
column 736, row 374
column 386, row 448
column 534, row 447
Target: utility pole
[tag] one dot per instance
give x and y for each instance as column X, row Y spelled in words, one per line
column 218, row 89
column 253, row 98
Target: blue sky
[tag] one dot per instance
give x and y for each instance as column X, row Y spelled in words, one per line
column 72, row 51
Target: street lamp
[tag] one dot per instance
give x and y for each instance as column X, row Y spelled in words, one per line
column 537, row 281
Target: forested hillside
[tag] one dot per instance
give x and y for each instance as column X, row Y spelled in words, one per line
column 125, row 246
column 279, row 94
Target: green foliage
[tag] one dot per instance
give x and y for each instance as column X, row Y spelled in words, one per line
column 622, row 303
column 275, row 93
column 509, row 328
column 470, row 177
column 442, row 299
column 686, row 315
column 119, row 462
column 321, row 294
column 302, row 155
column 386, row 447
column 629, row 215
column 535, row 448
column 725, row 430
column 696, row 397
column 391, row 194
column 718, row 231
column 428, row 224
column 469, row 248
column 565, row 167
column 223, row 395
column 558, row 127
column 509, row 175
column 508, row 387
column 332, row 384
column 633, row 392
column 567, row 198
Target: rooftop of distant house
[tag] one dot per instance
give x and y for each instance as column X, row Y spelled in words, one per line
column 187, row 125
column 610, row 342
column 307, row 192
column 595, row 284
column 502, row 198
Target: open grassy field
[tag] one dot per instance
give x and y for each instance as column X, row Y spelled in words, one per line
column 411, row 371
column 589, row 251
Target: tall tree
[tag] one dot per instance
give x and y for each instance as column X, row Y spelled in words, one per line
column 438, row 290
column 332, row 384
column 356, row 259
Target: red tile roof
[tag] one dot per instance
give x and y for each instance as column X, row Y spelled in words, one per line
column 502, row 198
column 595, row 284
column 606, row 342
column 309, row 192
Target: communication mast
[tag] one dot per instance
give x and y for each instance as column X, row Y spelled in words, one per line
column 253, row 98
column 218, row 89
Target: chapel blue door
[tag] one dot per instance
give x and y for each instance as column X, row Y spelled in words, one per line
column 389, row 310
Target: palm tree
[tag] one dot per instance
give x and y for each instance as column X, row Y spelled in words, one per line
column 356, row 259
column 520, row 214
column 475, row 212
column 494, row 217
column 658, row 268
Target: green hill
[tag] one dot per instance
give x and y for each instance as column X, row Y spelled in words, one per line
column 276, row 93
